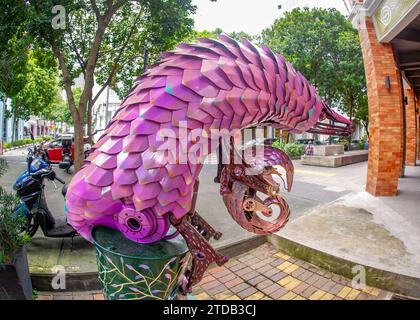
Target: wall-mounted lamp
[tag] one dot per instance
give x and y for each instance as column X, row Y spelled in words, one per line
column 406, row 101
column 388, row 83
column 417, row 110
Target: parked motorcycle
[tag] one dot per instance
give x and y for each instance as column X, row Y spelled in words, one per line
column 30, row 188
column 66, row 153
column 61, row 151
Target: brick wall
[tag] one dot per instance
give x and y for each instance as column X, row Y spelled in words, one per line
column 385, row 114
column 411, row 131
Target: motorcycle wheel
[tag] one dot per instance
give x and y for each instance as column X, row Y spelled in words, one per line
column 32, row 225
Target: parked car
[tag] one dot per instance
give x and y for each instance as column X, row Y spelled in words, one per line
column 355, row 144
column 308, row 141
column 54, row 149
column 344, row 141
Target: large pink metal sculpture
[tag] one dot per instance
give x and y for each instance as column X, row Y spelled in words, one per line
column 133, row 183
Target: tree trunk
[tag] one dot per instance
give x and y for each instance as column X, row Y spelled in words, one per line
column 14, row 125
column 78, row 144
column 145, row 59
column 89, row 121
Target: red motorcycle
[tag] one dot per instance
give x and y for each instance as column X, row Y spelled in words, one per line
column 61, row 151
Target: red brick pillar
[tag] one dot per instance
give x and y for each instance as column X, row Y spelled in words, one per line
column 417, row 105
column 385, row 114
column 411, row 130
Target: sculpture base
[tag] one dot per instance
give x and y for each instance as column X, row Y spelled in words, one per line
column 134, row 271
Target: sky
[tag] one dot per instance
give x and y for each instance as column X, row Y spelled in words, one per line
column 251, row 16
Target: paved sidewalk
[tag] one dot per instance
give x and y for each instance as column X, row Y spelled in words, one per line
column 263, row 273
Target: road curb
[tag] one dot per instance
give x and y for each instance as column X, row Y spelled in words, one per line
column 386, row 280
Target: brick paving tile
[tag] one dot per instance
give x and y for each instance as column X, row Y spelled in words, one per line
column 244, row 271
column 288, row 296
column 320, row 282
column 352, row 295
column 291, row 268
column 210, row 285
column 285, row 280
column 317, row 295
column 82, row 296
column 300, row 288
column 240, row 287
column 252, row 262
column 278, row 276
column 312, row 268
column 222, row 273
column 98, row 296
column 203, row 296
column 372, row 291
column 256, row 280
column 231, row 263
column 271, row 272
column 216, row 270
column 256, row 296
column 328, row 286
column 237, row 267
column 216, row 290
column 264, row 284
column 223, row 295
column 278, row 293
column 344, row 282
column 277, row 262
column 298, row 272
column 264, row 269
column 61, row 296
column 245, row 258
column 312, row 279
column 227, row 278
column 308, row 292
column 197, row 289
column 336, row 289
column 292, row 284
column 284, row 265
column 42, row 296
column 305, row 275
column 234, row 282
column 247, row 292
column 207, row 279
column 250, row 275
column 344, row 292
column 270, row 289
column 327, row 296
column 299, row 298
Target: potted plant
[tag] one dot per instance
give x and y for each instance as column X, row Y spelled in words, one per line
column 15, row 282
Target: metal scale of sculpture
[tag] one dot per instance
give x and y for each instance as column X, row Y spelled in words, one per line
column 127, row 184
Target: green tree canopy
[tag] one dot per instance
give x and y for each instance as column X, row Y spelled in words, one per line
column 324, row 47
column 107, row 41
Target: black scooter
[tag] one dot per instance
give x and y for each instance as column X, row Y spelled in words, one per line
column 66, row 157
column 29, row 188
